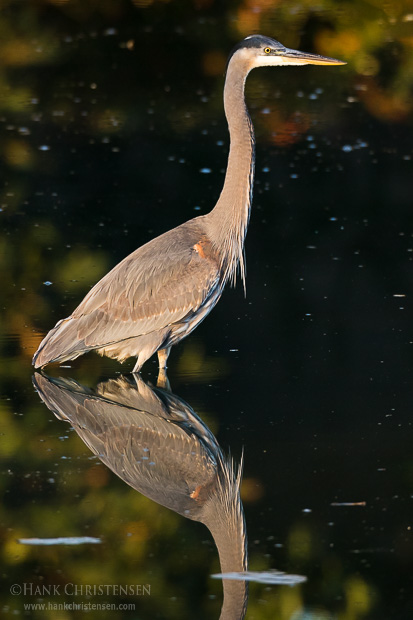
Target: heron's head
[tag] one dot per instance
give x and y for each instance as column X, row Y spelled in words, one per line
column 259, row 51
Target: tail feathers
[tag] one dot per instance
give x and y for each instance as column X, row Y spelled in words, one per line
column 61, row 343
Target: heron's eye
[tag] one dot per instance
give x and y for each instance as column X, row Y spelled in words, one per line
column 267, row 50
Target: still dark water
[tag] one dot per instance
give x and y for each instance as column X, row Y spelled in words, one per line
column 112, row 131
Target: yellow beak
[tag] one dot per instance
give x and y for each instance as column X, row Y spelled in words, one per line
column 303, row 58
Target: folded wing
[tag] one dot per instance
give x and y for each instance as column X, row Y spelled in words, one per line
column 164, row 282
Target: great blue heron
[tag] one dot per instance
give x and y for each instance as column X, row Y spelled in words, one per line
column 158, row 294
column 156, row 443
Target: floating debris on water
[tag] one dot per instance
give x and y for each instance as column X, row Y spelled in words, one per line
column 66, row 540
column 360, row 144
column 348, row 504
column 273, row 577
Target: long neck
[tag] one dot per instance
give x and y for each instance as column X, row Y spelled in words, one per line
column 230, row 540
column 229, row 218
column 223, row 514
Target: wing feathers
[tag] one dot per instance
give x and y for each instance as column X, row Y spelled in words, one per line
column 160, row 284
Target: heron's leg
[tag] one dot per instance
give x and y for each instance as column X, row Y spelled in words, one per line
column 163, row 381
column 137, row 366
column 163, row 355
column 138, row 379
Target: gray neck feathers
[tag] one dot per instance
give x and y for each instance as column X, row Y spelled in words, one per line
column 228, row 221
column 223, row 515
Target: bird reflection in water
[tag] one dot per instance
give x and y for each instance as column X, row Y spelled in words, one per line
column 157, row 444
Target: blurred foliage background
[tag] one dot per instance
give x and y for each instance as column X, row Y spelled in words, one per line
column 112, row 131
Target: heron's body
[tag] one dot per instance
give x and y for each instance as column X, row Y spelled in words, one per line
column 158, row 294
column 144, row 304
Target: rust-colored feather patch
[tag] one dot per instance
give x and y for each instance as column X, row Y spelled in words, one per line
column 199, row 249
